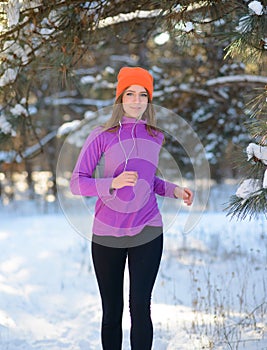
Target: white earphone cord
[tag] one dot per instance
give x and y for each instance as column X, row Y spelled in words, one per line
column 123, row 149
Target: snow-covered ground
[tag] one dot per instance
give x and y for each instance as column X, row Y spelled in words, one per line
column 211, row 291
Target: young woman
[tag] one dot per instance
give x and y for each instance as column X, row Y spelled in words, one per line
column 127, row 222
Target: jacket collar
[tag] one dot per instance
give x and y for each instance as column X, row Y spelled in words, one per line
column 129, row 120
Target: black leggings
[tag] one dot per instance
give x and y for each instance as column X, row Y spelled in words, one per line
column 109, row 264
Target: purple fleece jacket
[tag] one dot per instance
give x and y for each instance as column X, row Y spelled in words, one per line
column 125, row 211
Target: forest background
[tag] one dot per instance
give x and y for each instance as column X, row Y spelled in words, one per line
column 60, row 59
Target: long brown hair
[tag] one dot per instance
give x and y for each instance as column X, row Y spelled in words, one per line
column 112, row 124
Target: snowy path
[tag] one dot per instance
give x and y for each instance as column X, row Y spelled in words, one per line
column 49, row 298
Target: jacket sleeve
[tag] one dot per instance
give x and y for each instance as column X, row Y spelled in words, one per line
column 82, row 181
column 164, row 188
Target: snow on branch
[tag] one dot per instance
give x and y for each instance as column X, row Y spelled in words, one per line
column 256, row 7
column 8, row 77
column 258, row 151
column 244, row 78
column 76, row 101
column 12, row 156
column 126, row 17
column 188, row 88
column 38, row 146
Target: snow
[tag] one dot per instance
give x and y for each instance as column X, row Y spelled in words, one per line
column 5, row 126
column 54, row 17
column 46, row 32
column 185, row 26
column 188, row 27
column 210, row 288
column 256, row 7
column 244, row 24
column 19, row 110
column 88, row 79
column 12, row 50
column 162, row 38
column 75, row 101
column 248, row 188
column 89, row 115
column 125, row 17
column 264, row 183
column 8, row 77
column 68, row 127
column 13, row 12
column 31, row 4
column 109, row 70
column 258, row 151
column 237, row 78
column 201, row 115
column 7, row 156
column 177, row 8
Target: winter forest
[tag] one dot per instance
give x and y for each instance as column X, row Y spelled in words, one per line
column 59, row 62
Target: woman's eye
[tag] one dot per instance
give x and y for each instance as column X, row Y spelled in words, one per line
column 131, row 94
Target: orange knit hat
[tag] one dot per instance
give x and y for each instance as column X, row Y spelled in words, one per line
column 134, row 76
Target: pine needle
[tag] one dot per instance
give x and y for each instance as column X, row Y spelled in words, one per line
column 251, row 207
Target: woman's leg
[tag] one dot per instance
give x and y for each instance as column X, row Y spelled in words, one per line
column 109, row 265
column 144, row 263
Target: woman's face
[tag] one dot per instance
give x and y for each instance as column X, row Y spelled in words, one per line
column 134, row 101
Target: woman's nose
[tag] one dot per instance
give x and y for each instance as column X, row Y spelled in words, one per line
column 136, row 98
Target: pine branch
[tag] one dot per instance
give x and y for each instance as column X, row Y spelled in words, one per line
column 255, row 203
column 257, row 111
column 251, row 207
column 258, row 130
column 248, row 38
column 253, row 169
column 258, row 104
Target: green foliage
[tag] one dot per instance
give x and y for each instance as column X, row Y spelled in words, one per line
column 247, row 39
column 252, row 207
column 257, row 109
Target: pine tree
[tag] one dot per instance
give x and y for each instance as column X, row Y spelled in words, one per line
column 251, row 196
column 250, row 43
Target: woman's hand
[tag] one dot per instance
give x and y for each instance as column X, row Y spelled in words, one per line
column 184, row 193
column 126, row 178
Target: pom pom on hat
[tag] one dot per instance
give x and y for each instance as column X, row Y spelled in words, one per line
column 134, row 76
